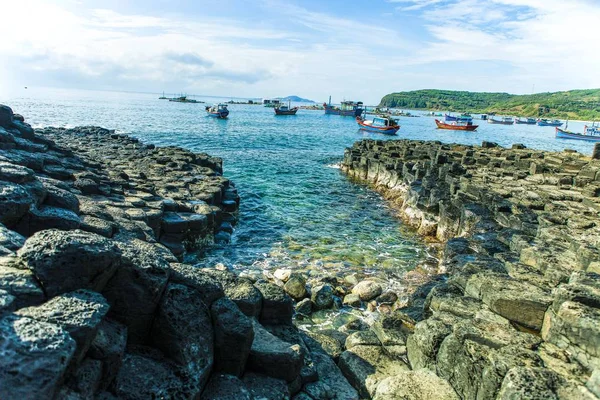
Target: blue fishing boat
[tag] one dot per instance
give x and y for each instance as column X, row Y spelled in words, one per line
column 503, row 121
column 346, row 109
column 464, row 118
column 545, row 122
column 590, row 133
column 385, row 125
column 218, row 111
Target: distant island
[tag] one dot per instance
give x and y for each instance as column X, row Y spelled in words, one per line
column 296, row 99
column 573, row 104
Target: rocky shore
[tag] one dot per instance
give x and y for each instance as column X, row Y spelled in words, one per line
column 515, row 311
column 96, row 297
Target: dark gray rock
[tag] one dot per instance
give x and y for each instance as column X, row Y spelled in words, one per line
column 331, row 375
column 97, row 225
column 65, row 261
column 85, row 380
column 137, row 287
column 6, row 116
column 48, row 217
column 322, row 296
column 304, row 307
column 273, row 357
column 7, row 303
column 226, row 387
column 35, row 356
column 15, row 173
column 367, row 290
column 277, row 306
column 234, row 335
column 79, row 313
column 265, row 387
column 15, row 202
column 182, row 330
column 60, row 198
column 109, row 347
column 149, row 376
column 208, row 287
column 20, row 282
column 25, row 130
column 10, row 239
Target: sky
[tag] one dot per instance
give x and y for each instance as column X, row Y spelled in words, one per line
column 311, row 48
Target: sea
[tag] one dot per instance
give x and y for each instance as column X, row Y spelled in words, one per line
column 298, row 210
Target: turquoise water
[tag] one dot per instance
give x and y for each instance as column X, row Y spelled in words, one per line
column 297, row 209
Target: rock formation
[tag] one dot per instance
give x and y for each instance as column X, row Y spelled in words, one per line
column 515, row 311
column 96, row 298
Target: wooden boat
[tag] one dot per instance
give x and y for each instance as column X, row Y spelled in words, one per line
column 456, row 126
column 218, row 111
column 286, row 110
column 526, row 121
column 385, row 125
column 545, row 122
column 503, row 121
column 461, row 118
column 346, row 109
column 590, row 133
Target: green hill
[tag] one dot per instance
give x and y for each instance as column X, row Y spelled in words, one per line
column 573, row 104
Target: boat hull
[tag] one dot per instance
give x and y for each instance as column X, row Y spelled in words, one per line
column 563, row 134
column 495, row 121
column 555, row 124
column 293, row 111
column 220, row 115
column 386, row 130
column 450, row 127
column 521, row 122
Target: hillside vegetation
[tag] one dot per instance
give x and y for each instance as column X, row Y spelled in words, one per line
column 573, row 104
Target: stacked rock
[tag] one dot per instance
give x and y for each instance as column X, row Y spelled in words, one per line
column 94, row 299
column 517, row 314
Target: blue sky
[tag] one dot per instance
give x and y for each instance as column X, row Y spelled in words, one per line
column 263, row 48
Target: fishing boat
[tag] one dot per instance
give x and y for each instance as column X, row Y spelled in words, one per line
column 271, row 103
column 461, row 118
column 545, row 122
column 590, row 133
column 526, row 121
column 456, row 125
column 503, row 121
column 218, row 111
column 346, row 109
column 286, row 110
column 385, row 125
column 162, row 97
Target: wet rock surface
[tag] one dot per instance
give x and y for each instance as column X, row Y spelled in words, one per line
column 513, row 311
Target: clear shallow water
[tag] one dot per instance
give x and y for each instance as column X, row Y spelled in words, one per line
column 297, row 209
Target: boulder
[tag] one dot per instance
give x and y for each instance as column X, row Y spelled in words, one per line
column 35, row 356
column 234, row 335
column 420, row 384
column 10, row 240
column 422, row 346
column 295, row 286
column 277, row 306
column 109, row 347
column 48, row 217
column 147, row 375
column 134, row 292
column 322, row 297
column 208, row 287
column 15, row 201
column 6, row 116
column 182, row 330
column 20, row 282
column 304, row 307
column 365, row 338
column 79, row 313
column 331, row 375
column 60, row 198
column 366, row 366
column 65, row 261
column 85, row 380
column 225, row 387
column 7, row 303
column 274, row 357
column 266, row 388
column 367, row 290
column 240, row 290
column 97, row 225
